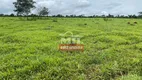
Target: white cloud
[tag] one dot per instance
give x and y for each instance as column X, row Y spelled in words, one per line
column 88, row 7
column 82, row 3
column 104, row 13
column 6, row 6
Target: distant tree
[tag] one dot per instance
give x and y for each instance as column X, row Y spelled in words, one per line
column 1, row 15
column 130, row 16
column 134, row 16
column 94, row 16
column 72, row 16
column 103, row 16
column 11, row 15
column 97, row 16
column 67, row 15
column 33, row 15
column 81, row 16
column 23, row 7
column 59, row 15
column 122, row 16
column 53, row 15
column 140, row 14
column 110, row 16
column 43, row 11
column 90, row 16
column 117, row 16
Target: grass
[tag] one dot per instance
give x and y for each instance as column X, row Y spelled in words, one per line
column 29, row 49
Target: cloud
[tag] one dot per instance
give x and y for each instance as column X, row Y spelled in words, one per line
column 104, row 13
column 6, row 6
column 64, row 6
column 82, row 4
column 87, row 7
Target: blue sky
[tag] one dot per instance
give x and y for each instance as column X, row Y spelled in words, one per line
column 87, row 7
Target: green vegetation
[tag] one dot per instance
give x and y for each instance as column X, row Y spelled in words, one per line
column 29, row 49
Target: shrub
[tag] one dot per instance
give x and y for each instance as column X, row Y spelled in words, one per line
column 55, row 21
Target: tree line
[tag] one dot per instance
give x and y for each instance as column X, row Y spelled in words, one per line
column 24, row 7
column 73, row 16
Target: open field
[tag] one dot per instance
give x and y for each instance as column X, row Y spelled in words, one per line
column 29, row 49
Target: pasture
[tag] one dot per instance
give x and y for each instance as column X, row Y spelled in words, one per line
column 29, row 49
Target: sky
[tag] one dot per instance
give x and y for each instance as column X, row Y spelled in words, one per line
column 78, row 7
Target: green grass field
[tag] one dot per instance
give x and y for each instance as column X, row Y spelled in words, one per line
column 29, row 49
